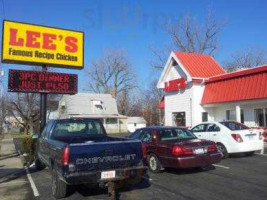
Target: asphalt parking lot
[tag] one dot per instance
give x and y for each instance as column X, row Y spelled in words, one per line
column 234, row 178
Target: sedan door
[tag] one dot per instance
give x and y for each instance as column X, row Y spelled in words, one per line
column 213, row 131
column 200, row 131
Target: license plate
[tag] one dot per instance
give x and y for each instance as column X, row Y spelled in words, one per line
column 199, row 151
column 108, row 174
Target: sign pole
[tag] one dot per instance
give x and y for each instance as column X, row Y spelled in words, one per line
column 43, row 103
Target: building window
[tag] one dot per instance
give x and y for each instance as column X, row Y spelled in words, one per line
column 179, row 119
column 230, row 115
column 204, row 116
column 242, row 116
column 259, row 117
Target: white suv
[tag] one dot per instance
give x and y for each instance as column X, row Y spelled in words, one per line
column 230, row 136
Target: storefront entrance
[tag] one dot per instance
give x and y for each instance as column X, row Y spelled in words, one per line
column 179, row 119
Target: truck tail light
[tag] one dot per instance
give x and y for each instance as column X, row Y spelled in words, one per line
column 212, row 148
column 144, row 150
column 264, row 134
column 65, row 156
column 237, row 137
column 181, row 151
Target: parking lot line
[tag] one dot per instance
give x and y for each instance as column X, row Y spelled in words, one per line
column 221, row 166
column 33, row 186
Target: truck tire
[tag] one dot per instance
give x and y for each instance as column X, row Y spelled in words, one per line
column 222, row 149
column 153, row 163
column 59, row 188
column 38, row 164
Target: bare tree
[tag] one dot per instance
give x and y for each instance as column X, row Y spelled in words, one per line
column 247, row 58
column 3, row 100
column 25, row 109
column 150, row 102
column 130, row 105
column 3, row 111
column 111, row 73
column 189, row 35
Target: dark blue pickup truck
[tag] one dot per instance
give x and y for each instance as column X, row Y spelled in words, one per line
column 78, row 151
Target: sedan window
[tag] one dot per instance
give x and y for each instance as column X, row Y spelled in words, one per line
column 173, row 134
column 235, row 126
column 145, row 136
column 213, row 128
column 199, row 128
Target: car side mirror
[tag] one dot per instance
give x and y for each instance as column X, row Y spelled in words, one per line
column 35, row 136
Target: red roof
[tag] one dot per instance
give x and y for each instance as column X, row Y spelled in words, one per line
column 238, row 86
column 199, row 65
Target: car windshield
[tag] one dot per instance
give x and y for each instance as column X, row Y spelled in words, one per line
column 235, row 126
column 175, row 133
column 77, row 128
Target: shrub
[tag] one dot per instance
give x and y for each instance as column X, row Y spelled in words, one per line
column 27, row 145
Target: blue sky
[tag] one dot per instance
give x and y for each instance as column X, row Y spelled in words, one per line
column 135, row 25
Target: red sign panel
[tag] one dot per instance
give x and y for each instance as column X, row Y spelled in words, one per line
column 42, row 82
column 175, row 85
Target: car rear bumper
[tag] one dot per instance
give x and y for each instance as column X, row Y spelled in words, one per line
column 246, row 147
column 95, row 177
column 195, row 161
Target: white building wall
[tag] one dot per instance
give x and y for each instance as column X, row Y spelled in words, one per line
column 198, row 90
column 178, row 102
column 175, row 72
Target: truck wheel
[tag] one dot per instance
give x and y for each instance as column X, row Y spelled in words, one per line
column 222, row 149
column 59, row 188
column 38, row 164
column 153, row 163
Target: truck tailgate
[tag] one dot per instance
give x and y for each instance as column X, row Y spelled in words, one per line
column 105, row 155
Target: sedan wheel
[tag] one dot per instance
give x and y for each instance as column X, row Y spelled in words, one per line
column 154, row 164
column 223, row 151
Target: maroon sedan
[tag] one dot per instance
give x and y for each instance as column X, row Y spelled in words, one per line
column 174, row 147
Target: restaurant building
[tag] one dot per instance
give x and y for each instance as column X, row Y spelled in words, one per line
column 198, row 89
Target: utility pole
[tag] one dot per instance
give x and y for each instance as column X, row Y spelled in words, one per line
column 43, row 103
